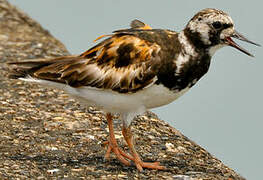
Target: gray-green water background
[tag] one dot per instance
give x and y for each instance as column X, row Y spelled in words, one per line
column 223, row 112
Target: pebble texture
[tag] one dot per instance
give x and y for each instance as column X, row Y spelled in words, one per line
column 44, row 134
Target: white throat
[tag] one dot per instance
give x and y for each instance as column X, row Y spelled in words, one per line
column 213, row 49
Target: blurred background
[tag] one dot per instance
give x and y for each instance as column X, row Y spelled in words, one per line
column 223, row 112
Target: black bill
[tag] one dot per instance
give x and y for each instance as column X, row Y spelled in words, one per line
column 242, row 38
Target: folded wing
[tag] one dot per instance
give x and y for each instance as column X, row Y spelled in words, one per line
column 124, row 62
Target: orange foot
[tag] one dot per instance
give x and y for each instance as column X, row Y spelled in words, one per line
column 155, row 165
column 121, row 155
column 127, row 134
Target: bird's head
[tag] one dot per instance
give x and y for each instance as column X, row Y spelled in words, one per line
column 213, row 29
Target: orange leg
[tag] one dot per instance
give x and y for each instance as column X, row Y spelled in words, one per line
column 113, row 146
column 137, row 160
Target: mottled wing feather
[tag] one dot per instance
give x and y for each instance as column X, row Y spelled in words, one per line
column 123, row 63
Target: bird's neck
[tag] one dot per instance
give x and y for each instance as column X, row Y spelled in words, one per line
column 190, row 65
column 195, row 39
column 186, row 68
column 187, row 46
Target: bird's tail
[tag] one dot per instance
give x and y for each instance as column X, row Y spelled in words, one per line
column 22, row 69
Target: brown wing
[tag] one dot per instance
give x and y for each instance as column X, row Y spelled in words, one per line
column 123, row 63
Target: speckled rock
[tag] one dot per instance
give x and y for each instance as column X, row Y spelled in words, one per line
column 44, row 134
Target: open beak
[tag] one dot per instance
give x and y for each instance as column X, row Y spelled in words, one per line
column 239, row 36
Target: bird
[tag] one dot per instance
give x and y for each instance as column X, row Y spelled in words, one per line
column 136, row 69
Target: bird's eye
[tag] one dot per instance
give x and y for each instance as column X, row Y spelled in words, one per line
column 217, row 25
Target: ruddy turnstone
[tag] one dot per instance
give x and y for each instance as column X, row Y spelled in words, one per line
column 136, row 69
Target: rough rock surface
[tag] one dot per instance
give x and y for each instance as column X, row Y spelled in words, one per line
column 46, row 135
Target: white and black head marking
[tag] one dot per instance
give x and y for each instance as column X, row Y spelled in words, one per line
column 212, row 29
column 210, row 24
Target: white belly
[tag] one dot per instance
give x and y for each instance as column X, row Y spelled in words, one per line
column 108, row 100
column 154, row 96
